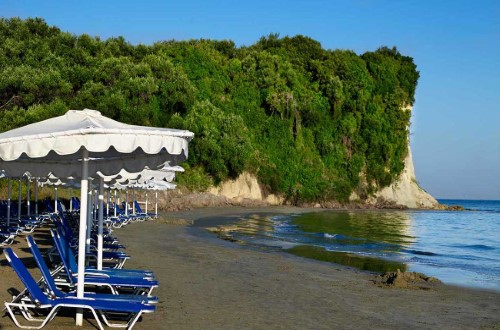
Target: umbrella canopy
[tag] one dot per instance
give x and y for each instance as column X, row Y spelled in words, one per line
column 166, row 173
column 55, row 146
column 146, row 176
column 82, row 143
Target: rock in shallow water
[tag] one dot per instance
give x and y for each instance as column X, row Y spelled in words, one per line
column 399, row 279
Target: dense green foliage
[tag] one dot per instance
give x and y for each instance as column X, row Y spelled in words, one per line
column 309, row 122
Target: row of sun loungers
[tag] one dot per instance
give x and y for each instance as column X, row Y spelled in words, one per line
column 115, row 296
column 17, row 225
column 27, row 224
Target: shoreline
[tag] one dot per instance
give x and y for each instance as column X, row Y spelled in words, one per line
column 209, row 283
column 219, row 223
column 184, row 200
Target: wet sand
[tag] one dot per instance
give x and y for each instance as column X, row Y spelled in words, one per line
column 208, row 283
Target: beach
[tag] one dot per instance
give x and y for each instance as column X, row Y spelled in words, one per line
column 209, row 283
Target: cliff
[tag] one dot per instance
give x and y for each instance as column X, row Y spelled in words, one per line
column 246, row 190
column 405, row 190
column 245, row 187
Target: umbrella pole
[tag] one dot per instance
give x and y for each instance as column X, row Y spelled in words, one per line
column 108, row 200
column 99, row 232
column 19, row 201
column 146, row 202
column 28, row 197
column 156, row 204
column 55, row 200
column 82, row 233
column 96, row 203
column 133, row 201
column 36, row 197
column 126, row 202
column 114, row 209
column 9, row 188
column 71, row 200
column 89, row 221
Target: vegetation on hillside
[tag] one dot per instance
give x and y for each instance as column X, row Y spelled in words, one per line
column 311, row 123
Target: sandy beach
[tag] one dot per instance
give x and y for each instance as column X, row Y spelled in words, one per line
column 208, row 283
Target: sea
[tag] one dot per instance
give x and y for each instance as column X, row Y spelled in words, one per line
column 458, row 247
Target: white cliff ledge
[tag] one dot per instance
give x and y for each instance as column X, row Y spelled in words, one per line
column 405, row 190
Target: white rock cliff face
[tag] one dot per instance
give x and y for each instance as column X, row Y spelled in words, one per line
column 405, row 190
column 245, row 186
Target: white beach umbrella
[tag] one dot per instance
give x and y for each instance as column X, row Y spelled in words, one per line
column 153, row 184
column 159, row 185
column 57, row 146
column 80, row 143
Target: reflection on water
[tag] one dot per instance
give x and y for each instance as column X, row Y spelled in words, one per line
column 360, row 227
column 255, row 225
column 348, row 259
column 365, row 240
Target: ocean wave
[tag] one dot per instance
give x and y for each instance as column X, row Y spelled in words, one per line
column 474, row 247
column 421, row 253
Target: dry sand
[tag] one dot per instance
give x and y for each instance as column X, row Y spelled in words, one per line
column 208, row 283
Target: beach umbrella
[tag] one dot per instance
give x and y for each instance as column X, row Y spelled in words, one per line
column 155, row 185
column 166, row 173
column 82, row 143
column 159, row 185
column 144, row 179
column 123, row 181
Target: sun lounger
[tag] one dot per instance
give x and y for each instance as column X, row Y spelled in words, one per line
column 115, row 282
column 54, row 291
column 31, row 305
column 116, row 257
column 6, row 238
column 139, row 211
column 69, row 256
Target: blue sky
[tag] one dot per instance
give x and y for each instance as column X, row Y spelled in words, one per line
column 455, row 44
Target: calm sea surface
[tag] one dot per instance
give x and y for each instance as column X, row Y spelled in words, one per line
column 458, row 247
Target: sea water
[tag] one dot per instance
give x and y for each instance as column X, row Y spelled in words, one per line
column 458, row 247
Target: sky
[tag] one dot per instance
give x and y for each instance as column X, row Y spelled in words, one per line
column 455, row 134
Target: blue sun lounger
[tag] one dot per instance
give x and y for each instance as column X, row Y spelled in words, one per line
column 115, row 282
column 6, row 237
column 107, row 237
column 139, row 211
column 110, row 243
column 31, row 305
column 69, row 257
column 54, row 291
column 116, row 257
